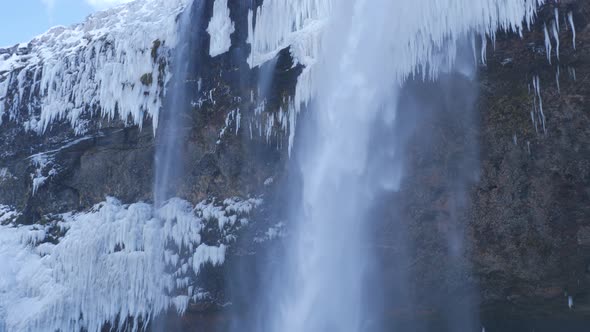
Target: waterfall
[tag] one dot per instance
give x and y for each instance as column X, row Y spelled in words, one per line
column 171, row 131
column 373, row 73
column 347, row 155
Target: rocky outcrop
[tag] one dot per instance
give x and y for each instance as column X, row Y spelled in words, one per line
column 530, row 207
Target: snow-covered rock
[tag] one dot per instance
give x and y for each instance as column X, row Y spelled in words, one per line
column 115, row 64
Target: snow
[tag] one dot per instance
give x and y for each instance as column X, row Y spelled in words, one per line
column 7, row 214
column 220, row 29
column 93, row 67
column 114, row 259
column 226, row 215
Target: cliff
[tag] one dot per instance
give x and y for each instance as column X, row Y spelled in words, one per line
column 494, row 206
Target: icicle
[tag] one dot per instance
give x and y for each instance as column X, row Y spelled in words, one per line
column 570, row 17
column 493, row 36
column 474, row 48
column 557, row 80
column 528, row 147
column 556, row 14
column 537, row 85
column 556, row 37
column 570, row 302
column 515, row 139
column 573, row 73
column 238, row 118
column 220, row 28
column 547, row 43
column 484, row 49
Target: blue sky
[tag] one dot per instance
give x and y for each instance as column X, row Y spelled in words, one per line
column 21, row 20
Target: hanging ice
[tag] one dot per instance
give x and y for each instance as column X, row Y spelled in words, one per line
column 570, row 18
column 556, row 37
column 547, row 43
column 537, row 97
column 114, row 261
column 299, row 25
column 484, row 49
column 220, row 28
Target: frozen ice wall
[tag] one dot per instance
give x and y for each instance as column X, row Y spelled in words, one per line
column 117, row 264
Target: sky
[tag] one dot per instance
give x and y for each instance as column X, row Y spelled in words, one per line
column 21, row 20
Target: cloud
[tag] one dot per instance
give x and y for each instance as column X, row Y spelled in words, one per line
column 101, row 4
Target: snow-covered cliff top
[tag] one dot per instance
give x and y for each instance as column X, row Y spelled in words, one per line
column 110, row 63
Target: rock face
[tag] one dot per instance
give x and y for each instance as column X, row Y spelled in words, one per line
column 493, row 212
column 530, row 208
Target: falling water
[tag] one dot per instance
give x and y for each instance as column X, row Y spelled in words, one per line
column 369, row 49
column 172, row 130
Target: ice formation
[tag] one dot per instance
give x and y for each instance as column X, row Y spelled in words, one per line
column 538, row 103
column 556, row 37
column 220, row 29
column 42, row 173
column 113, row 261
column 484, row 49
column 7, row 214
column 547, row 43
column 108, row 64
column 421, row 46
column 570, row 18
column 45, row 165
column 557, row 74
